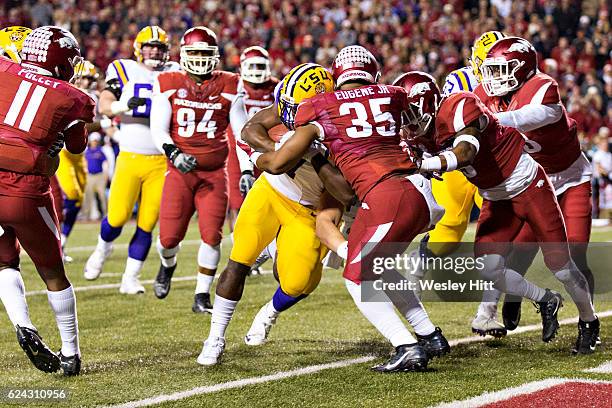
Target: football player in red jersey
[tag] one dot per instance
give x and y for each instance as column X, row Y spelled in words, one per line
column 259, row 87
column 529, row 101
column 360, row 124
column 190, row 113
column 39, row 113
column 515, row 189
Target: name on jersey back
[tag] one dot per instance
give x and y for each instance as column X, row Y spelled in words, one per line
column 359, row 92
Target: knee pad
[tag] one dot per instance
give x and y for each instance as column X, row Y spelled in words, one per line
column 167, row 252
column 140, row 245
column 208, row 256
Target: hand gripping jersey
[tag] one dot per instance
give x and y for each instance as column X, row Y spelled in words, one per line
column 200, row 114
column 360, row 127
column 500, row 147
column 34, row 109
column 135, row 79
column 555, row 146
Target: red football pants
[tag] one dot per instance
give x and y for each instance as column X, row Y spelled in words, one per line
column 183, row 194
column 393, row 212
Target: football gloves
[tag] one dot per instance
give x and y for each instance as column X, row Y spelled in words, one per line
column 57, row 146
column 135, row 102
column 182, row 161
column 246, row 182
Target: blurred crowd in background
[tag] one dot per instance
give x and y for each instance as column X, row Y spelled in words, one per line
column 572, row 37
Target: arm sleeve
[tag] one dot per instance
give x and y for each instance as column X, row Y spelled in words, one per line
column 238, row 117
column 307, row 114
column 161, row 115
column 531, row 117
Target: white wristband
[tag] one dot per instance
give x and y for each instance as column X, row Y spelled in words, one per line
column 105, row 122
column 431, row 164
column 342, row 250
column 118, row 107
column 254, row 156
column 451, row 160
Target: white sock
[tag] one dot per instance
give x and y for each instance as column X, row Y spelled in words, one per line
column 577, row 287
column 63, row 304
column 382, row 316
column 271, row 310
column 103, row 245
column 223, row 310
column 488, row 305
column 203, row 283
column 507, row 280
column 419, row 320
column 167, row 255
column 133, row 267
column 12, row 295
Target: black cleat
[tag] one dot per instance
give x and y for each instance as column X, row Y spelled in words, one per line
column 37, row 351
column 256, row 267
column 511, row 311
column 588, row 337
column 70, row 365
column 407, row 357
column 435, row 344
column 161, row 286
column 548, row 308
column 201, row 303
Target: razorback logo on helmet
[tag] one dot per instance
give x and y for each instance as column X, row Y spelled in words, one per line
column 419, row 89
column 67, row 42
column 521, row 46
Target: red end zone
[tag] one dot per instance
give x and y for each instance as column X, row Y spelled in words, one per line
column 570, row 394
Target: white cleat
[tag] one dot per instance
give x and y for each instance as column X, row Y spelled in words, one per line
column 260, row 328
column 212, row 351
column 483, row 326
column 93, row 267
column 130, row 285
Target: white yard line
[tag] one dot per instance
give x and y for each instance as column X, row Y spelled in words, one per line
column 313, row 369
column 605, row 368
column 507, row 393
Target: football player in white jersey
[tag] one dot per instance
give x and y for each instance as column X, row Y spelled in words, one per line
column 140, row 167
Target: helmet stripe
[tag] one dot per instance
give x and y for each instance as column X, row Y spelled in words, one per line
column 296, row 76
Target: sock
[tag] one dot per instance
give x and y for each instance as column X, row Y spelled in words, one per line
column 71, row 211
column 140, row 244
column 382, row 316
column 271, row 309
column 12, row 295
column 419, row 320
column 63, row 304
column 282, row 301
column 109, row 233
column 488, row 305
column 577, row 287
column 103, row 245
column 167, row 255
column 223, row 310
column 133, row 267
column 507, row 280
column 203, row 283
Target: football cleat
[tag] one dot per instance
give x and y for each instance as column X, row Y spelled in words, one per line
column 93, row 267
column 588, row 337
column 435, row 344
column 161, row 286
column 201, row 303
column 260, row 328
column 37, row 351
column 485, row 326
column 261, row 259
column 130, row 285
column 407, row 357
column 212, row 351
column 511, row 311
column 70, row 365
column 548, row 307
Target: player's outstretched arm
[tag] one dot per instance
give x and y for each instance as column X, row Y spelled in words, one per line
column 531, row 116
column 109, row 103
column 328, row 232
column 332, row 179
column 255, row 131
column 289, row 154
column 465, row 147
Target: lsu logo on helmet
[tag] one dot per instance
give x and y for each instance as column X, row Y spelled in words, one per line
column 481, row 47
column 152, row 35
column 11, row 41
column 301, row 83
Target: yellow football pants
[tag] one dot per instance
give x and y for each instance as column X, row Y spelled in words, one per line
column 72, row 176
column 457, row 195
column 266, row 214
column 137, row 176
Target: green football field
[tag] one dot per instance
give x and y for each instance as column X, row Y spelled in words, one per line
column 142, row 351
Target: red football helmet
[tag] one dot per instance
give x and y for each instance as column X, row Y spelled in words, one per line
column 423, row 101
column 199, row 51
column 508, row 65
column 355, row 63
column 52, row 51
column 255, row 65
